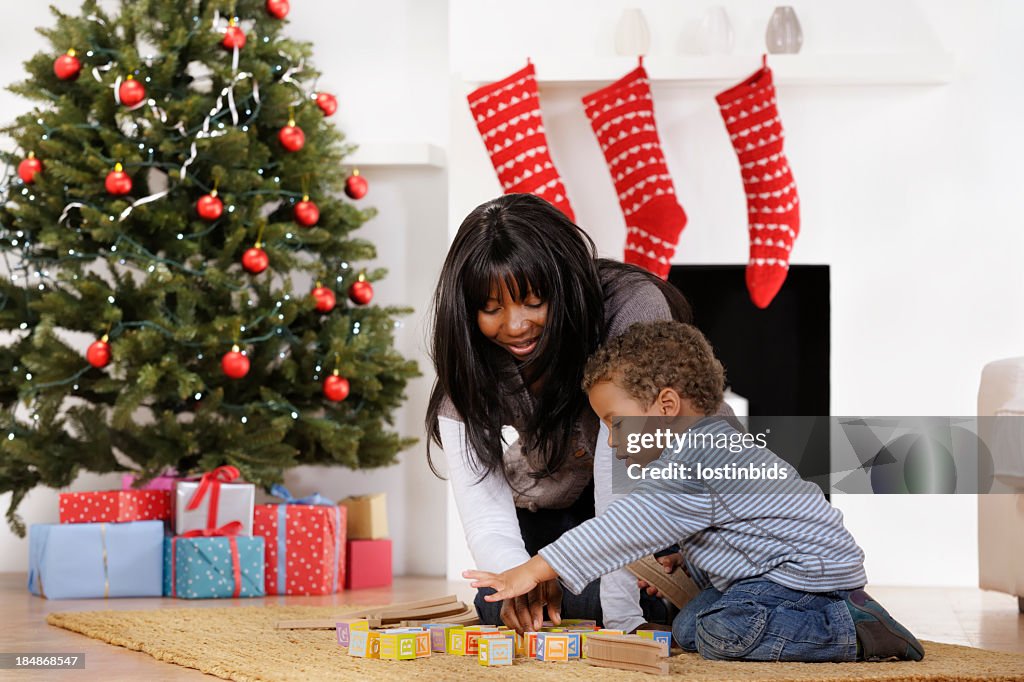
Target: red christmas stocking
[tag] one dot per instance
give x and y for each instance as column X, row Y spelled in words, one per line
column 507, row 114
column 773, row 208
column 622, row 116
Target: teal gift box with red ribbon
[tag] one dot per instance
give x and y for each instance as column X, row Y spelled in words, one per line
column 213, row 563
column 305, row 544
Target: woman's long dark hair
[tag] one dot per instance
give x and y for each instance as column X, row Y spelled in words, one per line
column 529, row 245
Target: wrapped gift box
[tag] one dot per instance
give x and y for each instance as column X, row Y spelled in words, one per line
column 367, row 564
column 96, row 560
column 206, row 567
column 305, row 547
column 219, row 502
column 367, row 516
column 158, row 483
column 115, row 506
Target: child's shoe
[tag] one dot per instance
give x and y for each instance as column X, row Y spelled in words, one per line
column 879, row 636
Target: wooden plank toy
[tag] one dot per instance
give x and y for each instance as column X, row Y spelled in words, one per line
column 495, row 650
column 658, row 636
column 346, row 627
column 626, row 652
column 584, row 635
column 425, row 609
column 552, row 646
column 364, row 644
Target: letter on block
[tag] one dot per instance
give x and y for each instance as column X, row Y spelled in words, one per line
column 495, row 651
column 399, row 646
column 457, row 641
column 364, row 644
column 346, row 627
column 552, row 646
column 658, row 636
column 422, row 644
column 473, row 637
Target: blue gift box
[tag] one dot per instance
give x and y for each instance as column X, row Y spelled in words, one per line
column 202, row 567
column 96, row 560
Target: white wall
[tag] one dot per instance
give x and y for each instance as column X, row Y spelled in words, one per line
column 910, row 194
column 387, row 63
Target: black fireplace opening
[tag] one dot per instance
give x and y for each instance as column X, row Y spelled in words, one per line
column 776, row 358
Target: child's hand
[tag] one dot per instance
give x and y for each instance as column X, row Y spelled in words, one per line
column 513, row 582
column 669, row 562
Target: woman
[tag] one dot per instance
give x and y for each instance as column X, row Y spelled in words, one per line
column 521, row 303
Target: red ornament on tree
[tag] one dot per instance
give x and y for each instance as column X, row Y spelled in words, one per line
column 361, row 291
column 67, row 67
column 98, row 353
column 278, row 8
column 28, row 168
column 325, row 299
column 291, row 136
column 210, row 207
column 234, row 36
column 336, row 387
column 255, row 260
column 234, row 363
column 356, row 186
column 131, row 92
column 306, row 212
column 118, row 182
column 327, row 102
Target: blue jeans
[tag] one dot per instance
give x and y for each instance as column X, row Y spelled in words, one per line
column 759, row 620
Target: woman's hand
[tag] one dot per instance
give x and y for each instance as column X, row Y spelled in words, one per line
column 526, row 590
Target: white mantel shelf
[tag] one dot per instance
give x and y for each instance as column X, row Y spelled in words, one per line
column 898, row 68
column 397, row 154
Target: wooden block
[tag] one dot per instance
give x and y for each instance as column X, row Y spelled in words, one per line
column 404, row 644
column 626, row 652
column 364, row 644
column 677, row 587
column 552, row 646
column 439, row 635
column 658, row 636
column 495, row 650
column 346, row 626
column 394, row 611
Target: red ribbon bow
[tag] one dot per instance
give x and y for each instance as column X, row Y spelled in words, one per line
column 228, row 530
column 211, row 481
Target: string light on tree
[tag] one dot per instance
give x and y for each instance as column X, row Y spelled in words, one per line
column 278, row 8
column 67, row 66
column 131, row 91
column 356, row 185
column 234, row 364
column 98, row 353
column 118, row 182
column 361, row 291
column 28, row 168
column 327, row 102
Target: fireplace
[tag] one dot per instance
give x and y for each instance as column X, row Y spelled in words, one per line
column 776, row 358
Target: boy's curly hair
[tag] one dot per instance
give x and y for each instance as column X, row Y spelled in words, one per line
column 651, row 356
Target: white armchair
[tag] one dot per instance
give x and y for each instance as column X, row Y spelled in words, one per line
column 1001, row 515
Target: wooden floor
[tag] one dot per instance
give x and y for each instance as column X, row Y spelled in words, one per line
column 956, row 615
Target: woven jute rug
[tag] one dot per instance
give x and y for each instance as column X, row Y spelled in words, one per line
column 242, row 644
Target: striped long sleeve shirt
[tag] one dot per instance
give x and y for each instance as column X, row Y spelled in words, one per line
column 729, row 529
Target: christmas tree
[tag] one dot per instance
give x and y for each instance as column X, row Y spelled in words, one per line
column 182, row 286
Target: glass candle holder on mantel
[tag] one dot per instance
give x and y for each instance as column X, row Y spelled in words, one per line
column 784, row 35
